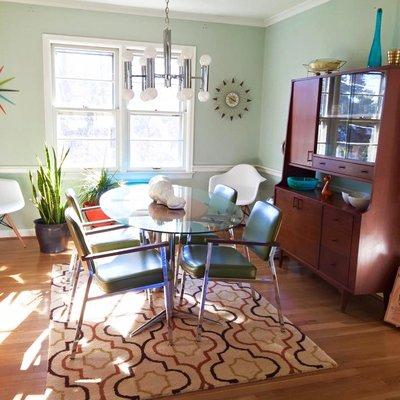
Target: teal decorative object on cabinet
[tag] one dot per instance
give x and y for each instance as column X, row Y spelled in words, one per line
column 375, row 54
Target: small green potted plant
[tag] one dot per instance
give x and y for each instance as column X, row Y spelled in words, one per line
column 95, row 184
column 51, row 229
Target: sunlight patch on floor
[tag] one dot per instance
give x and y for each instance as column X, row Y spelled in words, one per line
column 32, row 353
column 15, row 308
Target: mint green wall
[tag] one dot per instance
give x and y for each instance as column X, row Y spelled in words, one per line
column 237, row 51
column 338, row 29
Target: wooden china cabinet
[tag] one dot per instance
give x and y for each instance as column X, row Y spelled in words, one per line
column 346, row 124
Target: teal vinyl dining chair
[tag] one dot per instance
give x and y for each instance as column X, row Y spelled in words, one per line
column 223, row 263
column 122, row 270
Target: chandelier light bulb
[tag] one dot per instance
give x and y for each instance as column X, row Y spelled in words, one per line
column 128, row 95
column 127, row 55
column 205, row 60
column 185, row 94
column 144, row 96
column 152, row 93
column 186, row 54
column 142, row 61
column 203, row 96
column 150, row 52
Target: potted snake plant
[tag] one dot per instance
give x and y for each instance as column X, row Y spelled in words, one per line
column 96, row 183
column 51, row 229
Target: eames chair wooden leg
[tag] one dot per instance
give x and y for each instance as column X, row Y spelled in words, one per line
column 79, row 326
column 12, row 225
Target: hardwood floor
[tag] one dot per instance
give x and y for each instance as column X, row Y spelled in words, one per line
column 366, row 349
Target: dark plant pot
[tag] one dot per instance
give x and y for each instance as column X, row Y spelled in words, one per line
column 96, row 215
column 51, row 238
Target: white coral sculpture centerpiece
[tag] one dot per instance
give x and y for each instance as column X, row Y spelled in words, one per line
column 162, row 192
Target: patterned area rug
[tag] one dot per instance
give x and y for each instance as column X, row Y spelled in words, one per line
column 247, row 347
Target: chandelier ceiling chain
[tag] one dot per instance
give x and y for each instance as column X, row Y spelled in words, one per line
column 166, row 12
column 148, row 74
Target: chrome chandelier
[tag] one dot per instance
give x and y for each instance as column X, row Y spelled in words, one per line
column 149, row 75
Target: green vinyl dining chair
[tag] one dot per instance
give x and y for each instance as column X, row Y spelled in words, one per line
column 223, row 263
column 106, row 238
column 122, row 270
column 221, row 200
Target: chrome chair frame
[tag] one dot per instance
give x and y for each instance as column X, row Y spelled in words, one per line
column 207, row 278
column 75, row 267
column 166, row 284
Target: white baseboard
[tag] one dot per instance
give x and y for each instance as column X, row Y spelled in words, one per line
column 6, row 233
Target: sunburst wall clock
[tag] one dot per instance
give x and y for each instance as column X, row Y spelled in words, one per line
column 232, row 99
column 4, row 91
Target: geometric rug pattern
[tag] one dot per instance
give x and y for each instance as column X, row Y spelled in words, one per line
column 247, row 346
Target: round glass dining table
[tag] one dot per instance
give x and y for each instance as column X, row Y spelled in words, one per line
column 131, row 205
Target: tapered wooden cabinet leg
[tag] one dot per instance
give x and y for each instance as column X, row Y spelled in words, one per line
column 10, row 222
column 344, row 300
column 386, row 298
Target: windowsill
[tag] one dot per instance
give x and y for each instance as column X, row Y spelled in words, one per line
column 134, row 176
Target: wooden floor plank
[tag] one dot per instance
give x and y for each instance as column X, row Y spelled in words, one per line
column 367, row 350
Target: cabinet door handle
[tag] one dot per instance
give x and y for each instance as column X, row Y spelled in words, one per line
column 334, row 240
column 299, row 204
column 364, row 171
column 295, row 202
column 333, row 264
column 322, row 163
column 342, row 167
column 310, row 154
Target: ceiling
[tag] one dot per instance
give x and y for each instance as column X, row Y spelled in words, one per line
column 243, row 12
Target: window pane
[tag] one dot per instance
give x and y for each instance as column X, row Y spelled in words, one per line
column 93, row 153
column 83, row 64
column 84, row 94
column 155, row 154
column 85, row 125
column 152, row 127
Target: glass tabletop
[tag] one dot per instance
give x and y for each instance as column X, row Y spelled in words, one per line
column 131, row 205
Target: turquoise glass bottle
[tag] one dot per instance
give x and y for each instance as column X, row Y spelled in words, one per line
column 375, row 54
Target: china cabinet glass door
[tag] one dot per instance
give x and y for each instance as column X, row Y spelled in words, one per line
column 350, row 113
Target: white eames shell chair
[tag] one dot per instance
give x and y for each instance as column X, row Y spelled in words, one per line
column 11, row 200
column 244, row 178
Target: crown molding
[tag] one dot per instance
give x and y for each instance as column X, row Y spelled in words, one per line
column 300, row 8
column 146, row 12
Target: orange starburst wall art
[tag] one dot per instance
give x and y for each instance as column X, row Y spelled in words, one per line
column 4, row 92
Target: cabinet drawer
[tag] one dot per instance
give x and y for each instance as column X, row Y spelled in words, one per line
column 343, row 167
column 334, row 265
column 363, row 171
column 337, row 228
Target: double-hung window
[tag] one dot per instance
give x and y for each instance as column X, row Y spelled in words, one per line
column 86, row 112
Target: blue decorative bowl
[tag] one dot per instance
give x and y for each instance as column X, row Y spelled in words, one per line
column 300, row 183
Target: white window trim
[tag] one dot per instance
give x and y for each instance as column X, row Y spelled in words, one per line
column 122, row 116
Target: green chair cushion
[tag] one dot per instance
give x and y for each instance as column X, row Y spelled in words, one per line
column 226, row 262
column 114, row 240
column 129, row 271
